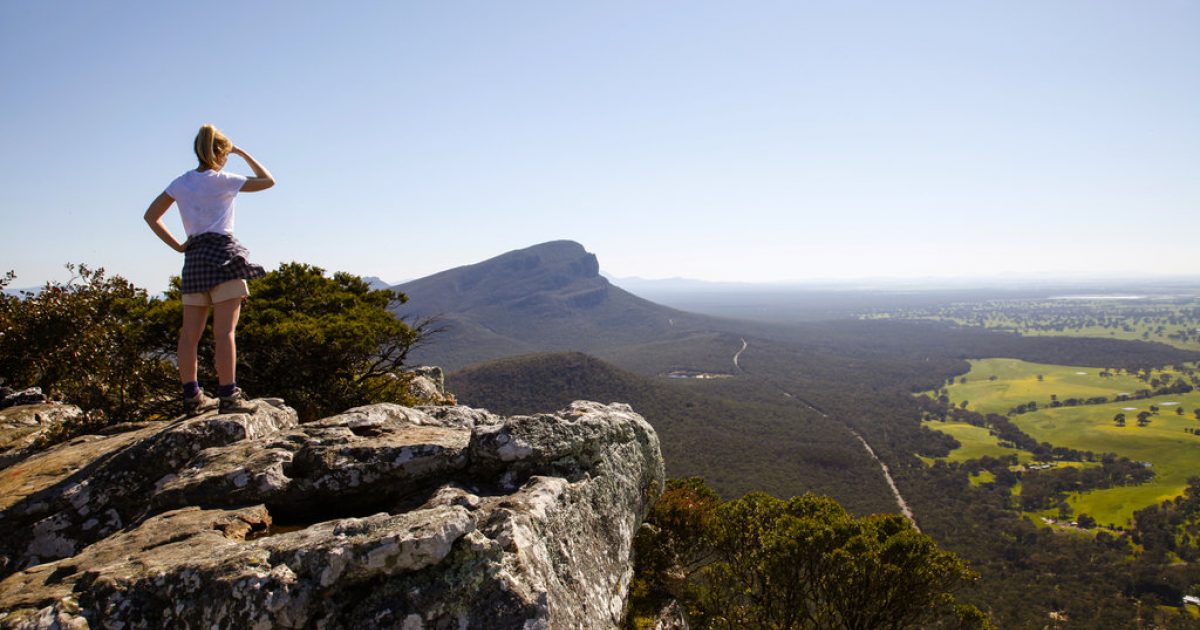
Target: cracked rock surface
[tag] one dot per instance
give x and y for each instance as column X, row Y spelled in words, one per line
column 383, row 517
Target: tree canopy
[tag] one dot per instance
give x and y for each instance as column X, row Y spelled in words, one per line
column 763, row 562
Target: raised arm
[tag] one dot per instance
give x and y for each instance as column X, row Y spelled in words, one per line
column 154, row 215
column 262, row 179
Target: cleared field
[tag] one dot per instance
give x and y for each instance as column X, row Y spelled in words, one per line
column 1141, row 332
column 1172, row 319
column 976, row 442
column 997, row 385
column 1173, row 453
column 982, row 477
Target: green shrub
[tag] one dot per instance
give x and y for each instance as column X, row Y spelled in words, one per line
column 762, row 562
column 322, row 344
column 87, row 341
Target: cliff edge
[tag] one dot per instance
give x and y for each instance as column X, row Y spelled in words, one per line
column 383, row 516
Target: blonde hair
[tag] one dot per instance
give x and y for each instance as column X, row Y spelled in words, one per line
column 211, row 145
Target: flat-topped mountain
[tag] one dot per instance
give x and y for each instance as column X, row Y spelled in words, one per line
column 546, row 297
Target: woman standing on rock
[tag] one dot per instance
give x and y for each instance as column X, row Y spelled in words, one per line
column 215, row 265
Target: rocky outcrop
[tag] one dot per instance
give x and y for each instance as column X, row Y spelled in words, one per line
column 671, row 617
column 24, row 427
column 30, row 396
column 383, row 517
column 428, row 384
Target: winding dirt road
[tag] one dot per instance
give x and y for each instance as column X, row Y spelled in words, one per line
column 887, row 474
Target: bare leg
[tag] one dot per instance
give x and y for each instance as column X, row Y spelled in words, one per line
column 194, row 319
column 225, row 319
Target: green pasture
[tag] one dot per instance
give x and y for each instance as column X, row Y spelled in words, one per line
column 1145, row 321
column 1173, row 453
column 975, row 442
column 982, row 477
column 1140, row 332
column 1016, row 383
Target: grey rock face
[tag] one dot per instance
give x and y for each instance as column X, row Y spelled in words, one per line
column 23, row 426
column 381, row 517
column 29, row 396
column 671, row 617
column 58, row 501
column 429, row 382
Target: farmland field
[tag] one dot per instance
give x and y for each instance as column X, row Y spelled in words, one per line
column 1173, row 319
column 1165, row 443
column 998, row 385
column 976, row 442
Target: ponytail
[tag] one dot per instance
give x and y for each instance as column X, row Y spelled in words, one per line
column 211, row 145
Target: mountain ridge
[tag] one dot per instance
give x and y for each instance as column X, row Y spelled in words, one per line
column 547, row 297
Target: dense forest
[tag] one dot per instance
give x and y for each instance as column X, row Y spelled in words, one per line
column 780, row 420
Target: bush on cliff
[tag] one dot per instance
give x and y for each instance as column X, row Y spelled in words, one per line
column 323, row 344
column 762, row 562
column 87, row 341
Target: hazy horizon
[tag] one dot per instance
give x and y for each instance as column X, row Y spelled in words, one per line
column 774, row 142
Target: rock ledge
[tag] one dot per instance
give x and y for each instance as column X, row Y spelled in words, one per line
column 383, row 517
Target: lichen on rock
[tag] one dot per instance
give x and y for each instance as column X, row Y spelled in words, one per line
column 383, row 516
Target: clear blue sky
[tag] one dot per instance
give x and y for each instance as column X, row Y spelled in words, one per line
column 757, row 141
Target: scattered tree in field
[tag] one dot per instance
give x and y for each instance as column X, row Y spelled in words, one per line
column 1143, row 418
column 1041, row 378
column 1119, row 419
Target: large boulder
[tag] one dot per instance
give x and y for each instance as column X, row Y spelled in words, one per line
column 382, row 517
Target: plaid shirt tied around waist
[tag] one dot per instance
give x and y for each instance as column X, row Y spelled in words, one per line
column 212, row 258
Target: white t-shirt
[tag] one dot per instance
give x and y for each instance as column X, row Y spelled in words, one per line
column 206, row 200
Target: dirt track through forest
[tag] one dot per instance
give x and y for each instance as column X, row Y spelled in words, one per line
column 887, row 474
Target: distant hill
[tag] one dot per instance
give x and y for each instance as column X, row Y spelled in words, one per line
column 546, row 297
column 375, row 282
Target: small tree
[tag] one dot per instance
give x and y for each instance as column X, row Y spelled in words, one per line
column 761, row 562
column 1119, row 419
column 673, row 546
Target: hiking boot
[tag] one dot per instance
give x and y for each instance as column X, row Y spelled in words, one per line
column 198, row 404
column 236, row 403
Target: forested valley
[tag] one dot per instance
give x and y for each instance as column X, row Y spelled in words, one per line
column 783, row 419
